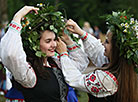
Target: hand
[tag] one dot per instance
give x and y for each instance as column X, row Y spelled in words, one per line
column 66, row 39
column 22, row 12
column 73, row 27
column 61, row 46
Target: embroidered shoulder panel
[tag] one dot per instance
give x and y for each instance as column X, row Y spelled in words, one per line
column 101, row 83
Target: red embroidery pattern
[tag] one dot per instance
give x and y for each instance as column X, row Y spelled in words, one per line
column 112, row 76
column 88, row 83
column 94, row 89
column 15, row 26
column 97, row 84
column 85, row 36
column 73, row 48
column 64, row 54
column 92, row 77
column 92, row 85
column 18, row 100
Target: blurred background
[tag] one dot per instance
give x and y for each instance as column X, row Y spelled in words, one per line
column 85, row 12
column 78, row 10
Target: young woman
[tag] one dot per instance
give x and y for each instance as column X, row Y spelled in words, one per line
column 40, row 79
column 117, row 81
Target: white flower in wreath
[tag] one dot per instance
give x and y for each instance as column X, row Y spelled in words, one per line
column 132, row 21
column 136, row 21
column 114, row 13
column 137, row 34
column 40, row 5
column 30, row 28
column 126, row 25
column 107, row 23
column 133, row 27
column 122, row 24
column 136, row 28
column 125, row 30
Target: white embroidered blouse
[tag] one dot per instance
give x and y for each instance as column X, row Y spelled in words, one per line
column 99, row 83
column 14, row 58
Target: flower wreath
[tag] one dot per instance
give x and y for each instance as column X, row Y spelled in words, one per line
column 126, row 30
column 47, row 18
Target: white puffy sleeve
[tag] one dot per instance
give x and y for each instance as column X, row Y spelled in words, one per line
column 79, row 56
column 94, row 49
column 14, row 57
column 99, row 83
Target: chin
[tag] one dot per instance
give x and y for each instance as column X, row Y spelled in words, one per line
column 51, row 54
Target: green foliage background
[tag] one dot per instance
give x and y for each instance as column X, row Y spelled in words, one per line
column 81, row 10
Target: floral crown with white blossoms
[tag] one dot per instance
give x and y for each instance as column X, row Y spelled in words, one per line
column 47, row 18
column 126, row 29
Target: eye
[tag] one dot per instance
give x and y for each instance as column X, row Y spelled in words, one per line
column 55, row 39
column 106, row 41
column 47, row 41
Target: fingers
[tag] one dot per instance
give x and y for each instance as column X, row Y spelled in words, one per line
column 70, row 22
column 22, row 12
column 70, row 25
column 59, row 41
column 33, row 9
column 70, row 29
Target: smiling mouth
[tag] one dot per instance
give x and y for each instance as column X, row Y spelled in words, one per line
column 52, row 50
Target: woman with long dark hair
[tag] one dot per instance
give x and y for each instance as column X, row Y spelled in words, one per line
column 30, row 57
column 117, row 80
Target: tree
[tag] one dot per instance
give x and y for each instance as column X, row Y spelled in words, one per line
column 3, row 10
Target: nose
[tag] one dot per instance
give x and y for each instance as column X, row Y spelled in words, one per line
column 54, row 44
column 103, row 43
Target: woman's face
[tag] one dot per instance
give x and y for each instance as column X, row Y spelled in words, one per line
column 48, row 43
column 107, row 45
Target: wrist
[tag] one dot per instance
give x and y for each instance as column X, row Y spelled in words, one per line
column 69, row 42
column 84, row 36
column 15, row 26
column 81, row 32
column 17, row 19
column 63, row 54
column 72, row 47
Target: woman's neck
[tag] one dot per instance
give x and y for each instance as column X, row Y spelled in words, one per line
column 45, row 62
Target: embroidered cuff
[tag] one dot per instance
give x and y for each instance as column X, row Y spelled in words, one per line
column 84, row 36
column 64, row 54
column 101, row 83
column 73, row 47
column 17, row 27
column 112, row 77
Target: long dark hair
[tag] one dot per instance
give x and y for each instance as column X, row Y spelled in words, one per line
column 124, row 71
column 37, row 62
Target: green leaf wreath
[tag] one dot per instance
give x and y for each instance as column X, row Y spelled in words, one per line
column 47, row 18
column 126, row 29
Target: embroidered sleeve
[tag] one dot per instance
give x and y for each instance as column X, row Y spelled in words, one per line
column 94, row 49
column 73, row 47
column 101, row 83
column 14, row 58
column 15, row 26
column 79, row 56
column 98, row 83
